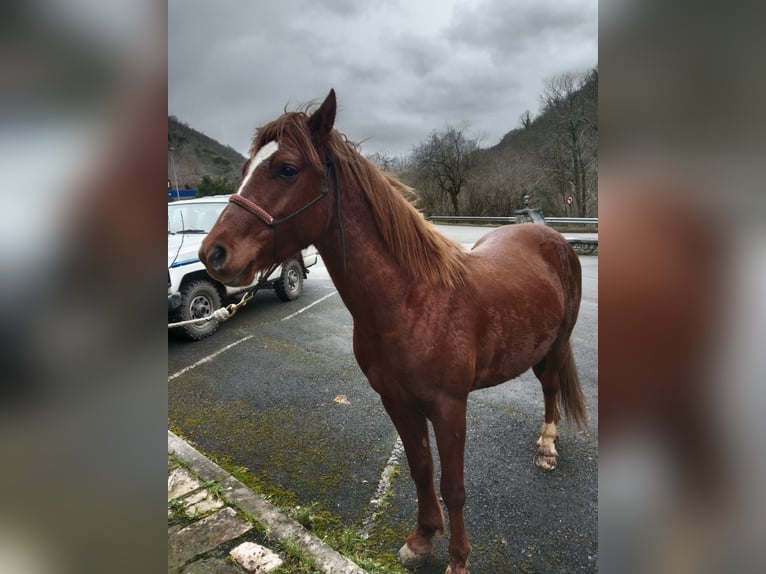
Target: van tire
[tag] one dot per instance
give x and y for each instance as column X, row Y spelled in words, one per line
column 289, row 286
column 198, row 299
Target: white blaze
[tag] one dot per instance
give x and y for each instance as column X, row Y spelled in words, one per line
column 263, row 154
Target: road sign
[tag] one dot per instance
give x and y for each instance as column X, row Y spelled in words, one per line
column 570, row 199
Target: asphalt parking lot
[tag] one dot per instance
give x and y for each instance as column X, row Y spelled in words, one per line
column 277, row 393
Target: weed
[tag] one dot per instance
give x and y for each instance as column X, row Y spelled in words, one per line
column 177, row 506
column 214, row 487
column 305, row 515
column 296, row 560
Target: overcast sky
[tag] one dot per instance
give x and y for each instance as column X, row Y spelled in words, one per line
column 400, row 68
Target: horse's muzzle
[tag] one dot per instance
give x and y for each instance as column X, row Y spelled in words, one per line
column 215, row 260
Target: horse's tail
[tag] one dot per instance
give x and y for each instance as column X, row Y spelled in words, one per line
column 571, row 397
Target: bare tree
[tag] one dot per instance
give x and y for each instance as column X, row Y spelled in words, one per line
column 382, row 160
column 446, row 160
column 570, row 100
column 525, row 120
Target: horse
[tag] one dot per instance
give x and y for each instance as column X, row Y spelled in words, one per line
column 432, row 321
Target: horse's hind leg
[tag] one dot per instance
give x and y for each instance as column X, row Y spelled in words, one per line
column 412, row 427
column 561, row 387
column 547, row 371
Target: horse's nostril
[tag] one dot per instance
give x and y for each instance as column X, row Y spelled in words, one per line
column 217, row 257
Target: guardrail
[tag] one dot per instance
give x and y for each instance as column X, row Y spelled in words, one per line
column 581, row 220
column 573, row 220
column 581, row 245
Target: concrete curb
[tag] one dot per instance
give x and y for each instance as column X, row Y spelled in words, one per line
column 282, row 527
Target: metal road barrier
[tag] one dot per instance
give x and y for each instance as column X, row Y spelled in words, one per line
column 581, row 245
column 573, row 220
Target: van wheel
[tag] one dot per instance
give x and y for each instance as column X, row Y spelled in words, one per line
column 289, row 286
column 198, row 299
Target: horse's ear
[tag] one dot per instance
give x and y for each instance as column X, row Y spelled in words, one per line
column 322, row 120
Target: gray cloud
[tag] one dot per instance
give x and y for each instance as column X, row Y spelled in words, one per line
column 512, row 29
column 343, row 8
column 420, row 55
column 401, row 69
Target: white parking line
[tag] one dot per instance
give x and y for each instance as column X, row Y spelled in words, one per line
column 208, row 358
column 384, row 485
column 242, row 340
column 299, row 311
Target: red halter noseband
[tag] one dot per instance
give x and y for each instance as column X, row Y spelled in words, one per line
column 271, row 221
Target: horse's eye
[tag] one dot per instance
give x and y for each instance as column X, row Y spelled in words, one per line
column 287, row 171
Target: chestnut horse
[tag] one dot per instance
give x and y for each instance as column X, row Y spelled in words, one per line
column 432, row 322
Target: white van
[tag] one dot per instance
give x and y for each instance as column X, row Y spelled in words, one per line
column 192, row 293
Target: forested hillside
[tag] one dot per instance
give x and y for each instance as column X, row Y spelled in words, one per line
column 550, row 157
column 197, row 156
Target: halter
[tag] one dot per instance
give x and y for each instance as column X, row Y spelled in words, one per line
column 271, row 221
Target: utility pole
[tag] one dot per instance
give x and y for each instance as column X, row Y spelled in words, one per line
column 175, row 177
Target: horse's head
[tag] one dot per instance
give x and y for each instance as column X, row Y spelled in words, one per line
column 283, row 203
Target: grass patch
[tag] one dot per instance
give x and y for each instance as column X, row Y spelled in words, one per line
column 214, row 488
column 305, row 515
column 296, row 560
column 177, row 506
column 352, row 544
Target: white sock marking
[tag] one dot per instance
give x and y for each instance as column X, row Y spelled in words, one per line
column 263, row 154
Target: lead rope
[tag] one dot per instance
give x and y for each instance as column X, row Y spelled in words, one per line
column 226, row 313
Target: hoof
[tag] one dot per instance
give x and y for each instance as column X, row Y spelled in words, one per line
column 410, row 559
column 546, row 462
column 458, row 571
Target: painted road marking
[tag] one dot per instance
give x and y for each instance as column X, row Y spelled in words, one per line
column 384, row 486
column 242, row 340
column 208, row 358
column 309, row 306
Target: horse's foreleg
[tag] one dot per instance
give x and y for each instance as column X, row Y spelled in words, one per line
column 450, row 428
column 547, row 455
column 413, row 430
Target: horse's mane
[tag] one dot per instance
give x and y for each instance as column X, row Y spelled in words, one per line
column 415, row 243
